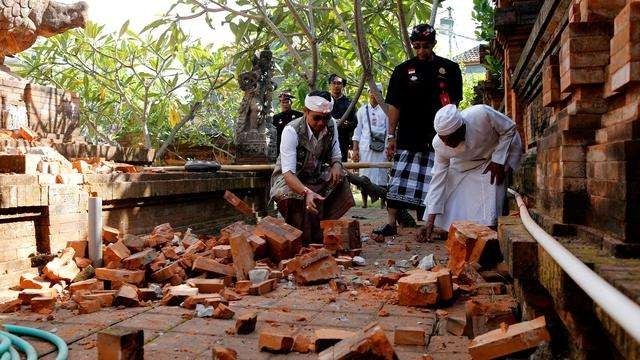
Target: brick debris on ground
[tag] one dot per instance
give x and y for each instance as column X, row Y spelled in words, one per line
column 213, row 300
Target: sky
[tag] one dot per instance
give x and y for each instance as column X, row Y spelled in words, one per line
column 113, row 13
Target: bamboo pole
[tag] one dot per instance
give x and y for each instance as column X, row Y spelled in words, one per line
column 270, row 167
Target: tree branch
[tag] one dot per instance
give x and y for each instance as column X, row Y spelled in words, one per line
column 402, row 20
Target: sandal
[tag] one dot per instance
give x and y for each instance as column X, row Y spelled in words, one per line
column 405, row 219
column 380, row 233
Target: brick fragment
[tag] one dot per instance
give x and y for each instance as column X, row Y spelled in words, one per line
column 214, row 301
column 381, row 280
column 445, row 284
column 222, row 311
column 338, row 285
column 409, row 336
column 326, row 338
column 62, row 267
column 246, row 323
column 258, row 245
column 147, row 294
column 242, row 255
column 205, row 299
column 485, row 313
column 211, row 266
column 466, row 243
column 206, row 286
column 126, row 276
column 32, row 281
column 114, row 253
column 302, row 344
column 276, row 341
column 284, row 241
column 222, row 251
column 88, row 285
column 82, row 263
column 230, row 295
column 105, row 298
column 139, row 260
column 223, row 353
column 110, row 234
column 243, row 286
column 237, row 203
column 264, row 287
column 418, row 289
column 127, row 295
column 9, row 306
column 43, row 305
column 313, row 267
column 27, row 134
column 369, row 343
column 27, row 295
column 509, row 339
column 89, row 306
column 79, row 246
column 160, row 235
column 341, row 235
column 119, row 343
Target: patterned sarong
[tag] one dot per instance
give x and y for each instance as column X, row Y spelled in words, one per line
column 410, row 178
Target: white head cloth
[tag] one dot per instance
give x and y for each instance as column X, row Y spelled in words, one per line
column 447, row 120
column 318, row 104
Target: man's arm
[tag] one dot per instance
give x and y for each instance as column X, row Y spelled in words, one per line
column 506, row 129
column 438, row 185
column 456, row 86
column 357, row 134
column 394, row 115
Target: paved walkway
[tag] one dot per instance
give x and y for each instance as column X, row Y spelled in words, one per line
column 172, row 332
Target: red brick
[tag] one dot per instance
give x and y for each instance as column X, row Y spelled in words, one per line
column 418, row 289
column 628, row 74
column 32, row 281
column 313, row 267
column 222, row 251
column 275, row 340
column 628, row 53
column 133, row 242
column 485, row 313
column 120, row 343
column 167, row 272
column 9, row 306
column 284, row 241
column 213, row 300
column 62, row 267
column 582, row 76
column 110, row 234
column 114, row 253
column 237, row 203
column 89, row 306
column 264, row 287
column 222, row 353
column 89, row 284
column 341, row 235
column 242, row 255
column 509, row 339
column 160, row 235
column 127, row 276
column 127, row 295
column 630, row 13
column 105, row 298
column 326, row 338
column 139, row 260
column 207, row 286
column 466, row 243
column 222, row 311
column 43, row 305
column 246, row 323
column 79, row 246
column 211, row 266
column 370, row 343
column 302, row 344
column 258, row 245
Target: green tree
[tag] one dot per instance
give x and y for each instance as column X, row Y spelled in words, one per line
column 483, row 12
column 148, row 85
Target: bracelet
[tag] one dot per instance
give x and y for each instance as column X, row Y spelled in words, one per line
column 337, row 162
column 390, row 136
column 306, row 191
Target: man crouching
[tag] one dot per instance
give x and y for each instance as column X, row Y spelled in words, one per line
column 308, row 183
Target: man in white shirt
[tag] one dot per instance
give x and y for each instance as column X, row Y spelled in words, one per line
column 474, row 151
column 308, row 183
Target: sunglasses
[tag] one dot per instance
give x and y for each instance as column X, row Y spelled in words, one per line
column 418, row 46
column 319, row 118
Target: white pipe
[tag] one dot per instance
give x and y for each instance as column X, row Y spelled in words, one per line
column 621, row 309
column 95, row 230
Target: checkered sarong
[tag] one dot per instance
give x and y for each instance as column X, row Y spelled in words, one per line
column 410, row 178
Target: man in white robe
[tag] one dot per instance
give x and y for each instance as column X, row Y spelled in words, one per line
column 371, row 119
column 474, row 151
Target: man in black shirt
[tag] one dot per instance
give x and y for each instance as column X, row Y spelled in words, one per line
column 418, row 88
column 340, row 106
column 286, row 115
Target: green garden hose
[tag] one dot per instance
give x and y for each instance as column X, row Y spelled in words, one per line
column 63, row 350
column 22, row 345
column 5, row 344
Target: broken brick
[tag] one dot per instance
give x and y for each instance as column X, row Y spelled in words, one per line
column 302, row 344
column 313, row 267
column 445, row 284
column 139, row 260
column 167, row 272
column 341, row 235
column 222, row 311
column 230, row 295
column 237, row 203
column 509, row 339
column 105, row 298
column 223, row 353
column 9, row 306
column 222, row 251
column 147, row 294
column 89, row 306
column 89, row 284
column 170, row 253
column 205, row 299
column 214, row 301
column 207, row 286
column 120, row 343
column 243, row 286
column 236, row 227
column 62, row 267
column 242, row 255
column 82, row 263
column 43, row 305
column 381, row 280
column 264, row 287
column 32, row 281
column 418, row 289
column 27, row 134
column 369, row 343
column 258, row 245
column 409, row 336
column 326, row 338
column 160, row 235
column 110, row 234
column 246, row 323
column 283, row 240
column 127, row 276
column 114, row 253
column 466, row 243
column 275, row 341
column 79, row 246
column 133, row 242
column 127, row 295
column 208, row 265
column 338, row 285
column 485, row 313
column 27, row 295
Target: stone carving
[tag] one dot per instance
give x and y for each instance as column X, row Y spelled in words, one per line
column 254, row 133
column 22, row 21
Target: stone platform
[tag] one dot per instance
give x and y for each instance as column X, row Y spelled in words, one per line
column 172, row 333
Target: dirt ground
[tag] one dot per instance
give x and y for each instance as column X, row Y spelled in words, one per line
column 173, row 332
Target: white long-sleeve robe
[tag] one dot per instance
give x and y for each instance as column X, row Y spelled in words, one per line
column 379, row 122
column 459, row 190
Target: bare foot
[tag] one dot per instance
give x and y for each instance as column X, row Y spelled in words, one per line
column 423, row 236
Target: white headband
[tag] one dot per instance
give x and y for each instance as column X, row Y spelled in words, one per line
column 318, row 104
column 447, row 120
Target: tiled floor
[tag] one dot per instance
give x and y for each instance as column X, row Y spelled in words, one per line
column 172, row 333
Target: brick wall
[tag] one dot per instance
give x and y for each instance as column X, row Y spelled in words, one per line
column 17, row 242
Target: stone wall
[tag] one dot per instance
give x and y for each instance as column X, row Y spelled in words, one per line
column 573, row 86
column 36, row 214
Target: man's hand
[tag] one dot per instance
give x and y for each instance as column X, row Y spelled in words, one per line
column 310, row 201
column 425, row 234
column 337, row 172
column 391, row 148
column 355, row 156
column 497, row 173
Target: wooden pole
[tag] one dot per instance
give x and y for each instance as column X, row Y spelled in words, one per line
column 270, row 167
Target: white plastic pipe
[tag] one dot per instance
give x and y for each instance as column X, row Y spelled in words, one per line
column 621, row 309
column 95, row 230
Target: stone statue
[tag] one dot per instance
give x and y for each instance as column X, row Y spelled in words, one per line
column 254, row 133
column 22, row 21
